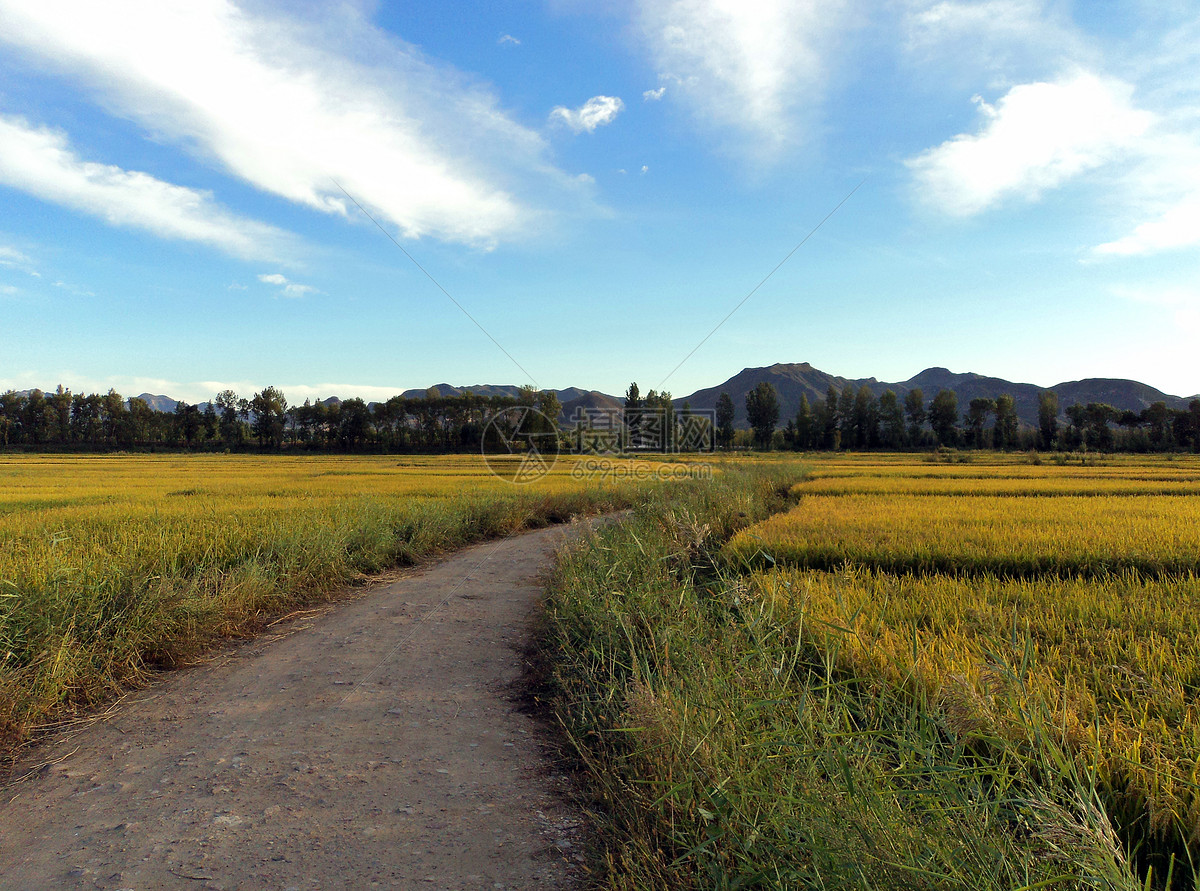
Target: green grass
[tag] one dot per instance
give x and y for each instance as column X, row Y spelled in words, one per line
column 729, row 747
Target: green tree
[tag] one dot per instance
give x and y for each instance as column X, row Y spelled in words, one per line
column 831, row 433
column 725, row 414
column 914, row 409
column 943, row 417
column 112, row 416
column 227, row 403
column 269, row 409
column 633, row 415
column 762, row 410
column 804, row 425
column 188, row 421
column 1004, row 435
column 1157, row 418
column 846, row 417
column 354, row 423
column 60, row 404
column 891, row 418
column 1047, row 418
column 866, row 418
column 977, row 414
column 1097, row 416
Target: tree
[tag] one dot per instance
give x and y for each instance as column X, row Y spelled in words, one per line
column 977, row 413
column 892, row 419
column 1004, row 435
column 804, row 425
column 227, row 403
column 633, row 415
column 354, row 422
column 831, row 433
column 269, row 408
column 60, row 404
column 845, row 407
column 1156, row 418
column 914, row 408
column 112, row 415
column 188, row 421
column 866, row 418
column 1099, row 435
column 724, row 421
column 1047, row 418
column 943, row 417
column 762, row 410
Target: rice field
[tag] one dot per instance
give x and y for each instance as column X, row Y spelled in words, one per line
column 112, row 566
column 989, row 516
column 938, row 580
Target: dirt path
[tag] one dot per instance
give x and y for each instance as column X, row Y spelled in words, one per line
column 373, row 745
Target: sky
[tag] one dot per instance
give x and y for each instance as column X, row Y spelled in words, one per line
column 355, row 199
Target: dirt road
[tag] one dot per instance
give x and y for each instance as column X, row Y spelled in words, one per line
column 374, row 745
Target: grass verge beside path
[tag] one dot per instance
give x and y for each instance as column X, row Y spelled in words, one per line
column 729, row 747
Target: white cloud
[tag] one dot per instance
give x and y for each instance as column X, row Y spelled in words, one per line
column 9, row 290
column 1038, row 136
column 1177, row 227
column 40, row 162
column 653, row 95
column 264, row 97
column 508, row 38
column 1162, row 188
column 645, row 169
column 13, row 258
column 288, row 288
column 756, row 67
column 596, row 112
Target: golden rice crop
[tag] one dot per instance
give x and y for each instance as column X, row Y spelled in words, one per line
column 111, row 564
column 1017, row 535
column 1116, row 661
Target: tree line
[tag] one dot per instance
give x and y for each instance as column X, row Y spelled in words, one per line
column 850, row 419
column 266, row 421
column 855, row 419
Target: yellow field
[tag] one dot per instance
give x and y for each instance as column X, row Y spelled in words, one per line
column 112, row 564
column 996, row 589
column 1003, row 518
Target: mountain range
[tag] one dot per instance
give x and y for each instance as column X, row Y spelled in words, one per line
column 793, row 380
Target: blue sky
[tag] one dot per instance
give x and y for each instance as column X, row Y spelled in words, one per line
column 597, row 189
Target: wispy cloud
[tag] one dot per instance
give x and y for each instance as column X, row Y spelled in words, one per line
column 290, row 105
column 1182, row 303
column 508, row 38
column 13, row 258
column 1036, row 137
column 653, row 95
column 40, row 162
column 287, row 288
column 995, row 37
column 759, row 68
column 596, row 112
